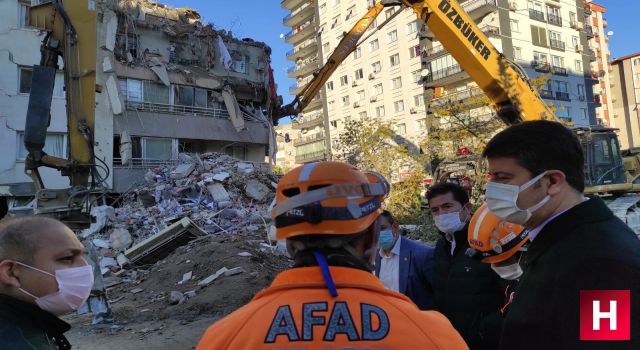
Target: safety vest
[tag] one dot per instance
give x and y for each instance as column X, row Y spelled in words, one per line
column 297, row 312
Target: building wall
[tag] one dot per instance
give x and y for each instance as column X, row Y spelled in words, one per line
column 21, row 48
column 600, row 68
column 286, row 155
column 625, row 95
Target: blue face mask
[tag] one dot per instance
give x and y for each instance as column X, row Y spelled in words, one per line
column 386, row 239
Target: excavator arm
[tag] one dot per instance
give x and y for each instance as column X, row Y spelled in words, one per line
column 504, row 83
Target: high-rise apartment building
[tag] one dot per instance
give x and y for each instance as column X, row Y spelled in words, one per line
column 625, row 97
column 595, row 27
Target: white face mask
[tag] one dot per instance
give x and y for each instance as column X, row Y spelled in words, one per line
column 508, row 272
column 74, row 287
column 449, row 223
column 502, row 201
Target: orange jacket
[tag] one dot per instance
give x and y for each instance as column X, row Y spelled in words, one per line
column 297, row 311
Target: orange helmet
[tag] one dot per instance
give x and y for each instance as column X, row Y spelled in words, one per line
column 327, row 198
column 494, row 240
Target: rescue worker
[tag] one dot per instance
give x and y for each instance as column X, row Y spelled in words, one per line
column 578, row 248
column 328, row 212
column 42, row 276
column 466, row 290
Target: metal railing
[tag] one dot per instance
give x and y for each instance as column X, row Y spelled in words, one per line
column 559, row 71
column 553, row 19
column 293, row 13
column 537, row 15
column 591, row 32
column 490, row 30
column 309, row 121
column 308, row 139
column 432, row 51
column 541, row 66
column 546, row 94
column 457, row 96
column 563, row 96
column 556, row 44
column 144, row 163
column 220, row 113
column 443, row 73
column 471, row 5
column 310, row 156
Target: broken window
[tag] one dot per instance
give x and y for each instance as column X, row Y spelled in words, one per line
column 185, row 96
column 156, row 148
column 200, row 98
column 239, row 65
column 131, row 89
column 25, row 80
column 23, row 19
column 155, row 93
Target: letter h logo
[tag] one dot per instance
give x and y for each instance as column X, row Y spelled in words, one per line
column 605, row 315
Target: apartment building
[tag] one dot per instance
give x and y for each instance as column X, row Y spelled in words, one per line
column 545, row 37
column 625, row 98
column 286, row 139
column 169, row 82
column 596, row 25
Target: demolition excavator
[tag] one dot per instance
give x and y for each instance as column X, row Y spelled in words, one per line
column 608, row 171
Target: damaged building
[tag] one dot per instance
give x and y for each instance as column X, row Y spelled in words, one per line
column 167, row 82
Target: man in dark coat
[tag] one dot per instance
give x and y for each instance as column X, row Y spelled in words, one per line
column 577, row 244
column 466, row 290
column 42, row 275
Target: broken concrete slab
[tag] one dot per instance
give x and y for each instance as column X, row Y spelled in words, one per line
column 246, row 168
column 245, row 254
column 120, row 239
column 136, row 290
column 101, row 243
column 103, row 214
column 164, row 242
column 210, row 279
column 107, row 66
column 182, row 171
column 186, row 277
column 161, row 72
column 221, row 176
column 107, row 263
column 114, row 98
column 234, row 271
column 112, row 281
column 256, row 190
column 111, row 29
column 218, row 192
column 122, row 260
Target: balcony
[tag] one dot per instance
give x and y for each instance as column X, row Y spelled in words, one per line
column 291, row 4
column 460, row 97
column 559, row 71
column 536, row 15
column 562, row 96
column 144, row 163
column 548, row 94
column 315, row 103
column 309, row 121
column 298, row 35
column 309, row 47
column 300, row 15
column 433, row 51
column 445, row 76
column 304, row 68
column 309, row 139
column 556, row 44
column 490, row 30
column 553, row 19
column 590, row 30
column 474, row 8
column 311, row 157
column 541, row 66
column 160, row 108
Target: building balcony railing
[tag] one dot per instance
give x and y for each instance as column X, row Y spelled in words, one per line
column 556, row 44
column 553, row 19
column 302, row 50
column 302, row 13
column 443, row 73
column 475, row 9
column 309, row 121
column 161, row 108
column 310, row 157
column 433, row 51
column 559, row 71
column 300, row 33
column 308, row 139
column 473, row 5
column 541, row 66
column 590, row 30
column 456, row 96
column 490, row 30
column 562, row 96
column 290, row 4
column 548, row 94
column 537, row 15
column 144, row 163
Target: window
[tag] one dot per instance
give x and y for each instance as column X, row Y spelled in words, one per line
column 412, row 27
column 581, row 92
column 396, row 83
column 360, row 95
column 416, row 76
column 401, row 129
column 415, row 51
column 578, row 65
column 159, row 93
column 323, row 8
column 380, row 111
column 374, row 45
column 326, row 47
column 344, row 80
column 370, row 3
column 515, row 26
column 517, row 53
column 359, row 74
column 398, row 106
column 539, row 36
column 418, row 100
column 377, row 90
column 535, row 5
column 574, row 41
column 362, row 115
column 557, row 61
column 572, row 16
column 560, row 86
column 636, row 77
column 394, row 60
column 583, row 113
column 345, row 101
column 392, row 36
column 185, row 96
column 389, row 12
column 25, row 75
column 350, row 13
column 239, row 65
column 157, row 148
column 58, row 88
column 357, row 53
column 23, row 19
column 553, row 14
column 636, row 62
column 376, row 67
column 55, row 145
column 540, row 58
column 335, row 2
column 422, row 124
column 335, row 21
column 330, row 86
column 555, row 40
column 134, row 90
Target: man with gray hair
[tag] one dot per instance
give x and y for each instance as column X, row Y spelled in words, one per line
column 42, row 276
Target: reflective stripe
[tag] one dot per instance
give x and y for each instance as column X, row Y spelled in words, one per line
column 305, row 173
column 476, row 229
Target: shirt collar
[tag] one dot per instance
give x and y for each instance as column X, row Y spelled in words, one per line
column 394, row 251
column 534, row 232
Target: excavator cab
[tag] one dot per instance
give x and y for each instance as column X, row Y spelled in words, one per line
column 603, row 162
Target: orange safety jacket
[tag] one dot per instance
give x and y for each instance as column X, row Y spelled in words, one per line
column 297, row 312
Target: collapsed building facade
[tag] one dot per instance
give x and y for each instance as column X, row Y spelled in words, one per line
column 175, row 84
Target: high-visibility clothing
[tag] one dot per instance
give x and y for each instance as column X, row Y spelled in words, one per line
column 297, row 311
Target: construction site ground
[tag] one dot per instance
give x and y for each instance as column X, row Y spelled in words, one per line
column 141, row 298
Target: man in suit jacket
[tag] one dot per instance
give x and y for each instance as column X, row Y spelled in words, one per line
column 403, row 265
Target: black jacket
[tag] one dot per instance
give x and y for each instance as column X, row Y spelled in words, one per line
column 468, row 292
column 585, row 248
column 25, row 326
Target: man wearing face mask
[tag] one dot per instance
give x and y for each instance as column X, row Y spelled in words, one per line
column 403, row 265
column 42, row 276
column 577, row 244
column 466, row 290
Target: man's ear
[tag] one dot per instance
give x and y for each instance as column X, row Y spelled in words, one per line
column 9, row 274
column 557, row 180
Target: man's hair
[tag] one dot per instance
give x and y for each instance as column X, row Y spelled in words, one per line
column 459, row 193
column 19, row 236
column 387, row 215
column 541, row 145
